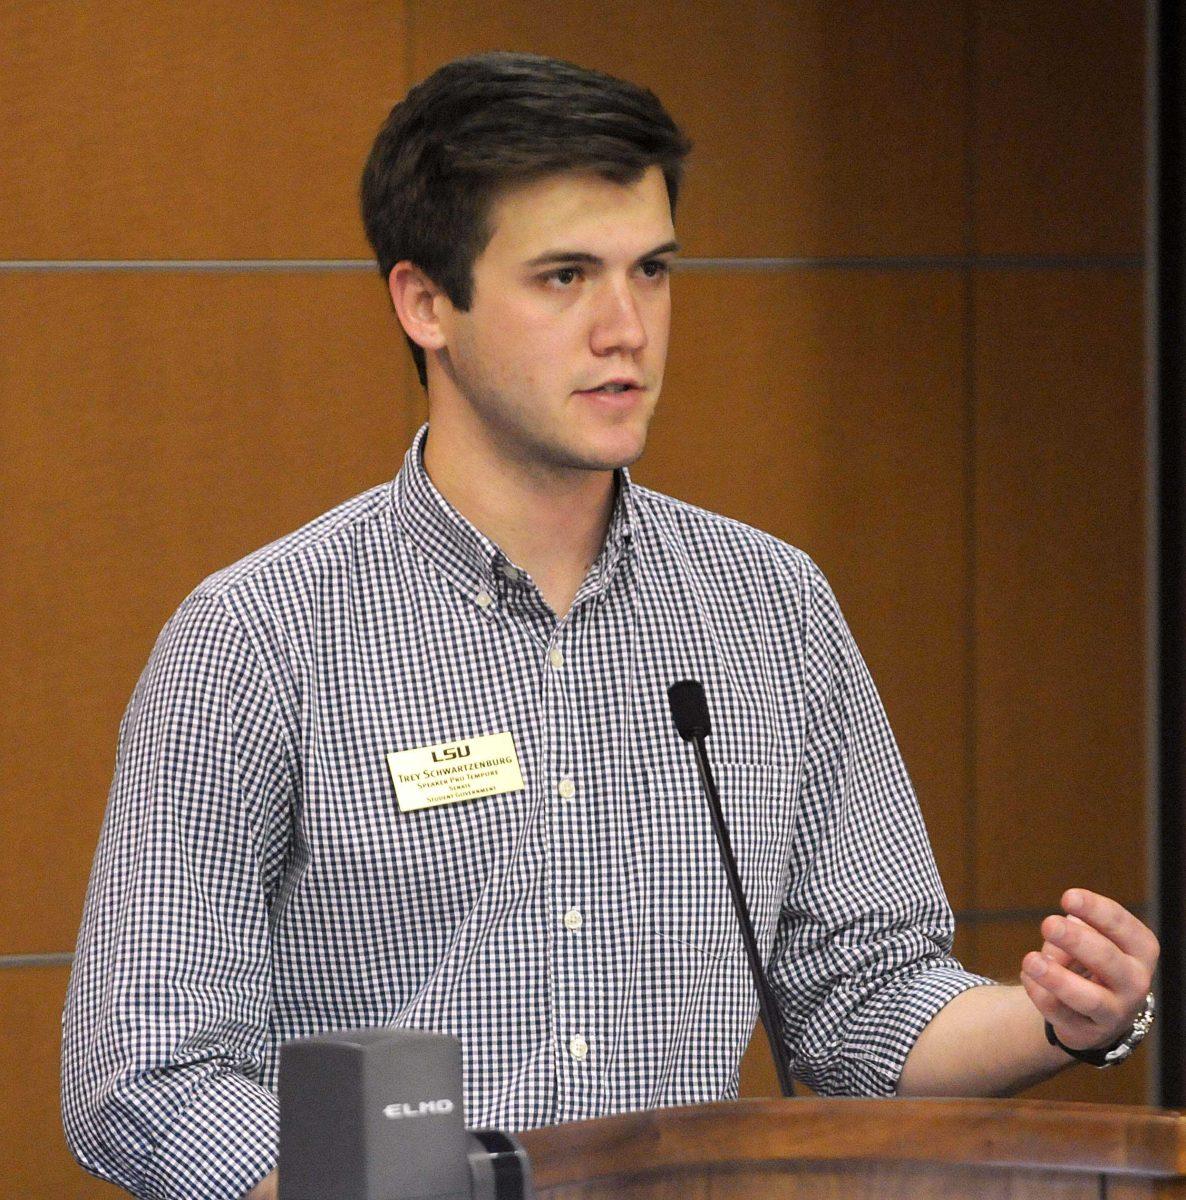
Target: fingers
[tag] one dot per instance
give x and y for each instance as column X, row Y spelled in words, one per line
column 1070, row 995
column 1056, row 954
column 1115, row 922
column 1072, row 1028
column 1085, row 948
column 1048, row 1004
column 1093, row 971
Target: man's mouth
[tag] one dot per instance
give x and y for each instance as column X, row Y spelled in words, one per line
column 614, row 387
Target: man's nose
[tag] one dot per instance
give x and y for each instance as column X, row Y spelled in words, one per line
column 619, row 324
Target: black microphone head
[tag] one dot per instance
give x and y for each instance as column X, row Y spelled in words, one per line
column 689, row 709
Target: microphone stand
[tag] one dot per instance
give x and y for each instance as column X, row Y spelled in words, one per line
column 766, row 1006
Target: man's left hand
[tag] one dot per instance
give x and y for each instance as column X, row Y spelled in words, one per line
column 1093, row 972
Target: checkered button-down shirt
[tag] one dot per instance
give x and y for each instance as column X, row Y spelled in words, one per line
column 256, row 879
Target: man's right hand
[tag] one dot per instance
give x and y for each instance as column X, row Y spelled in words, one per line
column 268, row 1188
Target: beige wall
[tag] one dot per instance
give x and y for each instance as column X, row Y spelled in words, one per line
column 935, row 389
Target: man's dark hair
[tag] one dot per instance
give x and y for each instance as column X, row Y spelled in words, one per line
column 478, row 125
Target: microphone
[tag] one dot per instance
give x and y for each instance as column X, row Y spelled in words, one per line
column 376, row 1114
column 689, row 710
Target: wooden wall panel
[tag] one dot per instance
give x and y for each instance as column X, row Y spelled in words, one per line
column 1060, row 609
column 820, row 128
column 156, row 427
column 34, row 1160
column 827, row 407
column 1059, row 142
column 1000, row 947
column 208, row 130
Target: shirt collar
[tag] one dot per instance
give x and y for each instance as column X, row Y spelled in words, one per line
column 465, row 555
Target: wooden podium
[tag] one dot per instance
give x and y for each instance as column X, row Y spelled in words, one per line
column 861, row 1149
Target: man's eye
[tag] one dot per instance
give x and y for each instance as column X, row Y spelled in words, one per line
column 565, row 275
column 655, row 268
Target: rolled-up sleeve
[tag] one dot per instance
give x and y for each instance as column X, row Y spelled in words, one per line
column 862, row 956
column 169, row 1004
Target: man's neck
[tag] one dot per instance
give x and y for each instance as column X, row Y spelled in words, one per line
column 551, row 523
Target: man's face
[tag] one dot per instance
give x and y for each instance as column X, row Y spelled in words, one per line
column 560, row 358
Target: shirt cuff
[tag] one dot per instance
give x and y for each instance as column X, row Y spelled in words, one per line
column 221, row 1145
column 884, row 1031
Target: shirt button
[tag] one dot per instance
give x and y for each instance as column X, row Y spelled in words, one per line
column 578, row 1047
column 484, row 599
column 555, row 657
column 573, row 919
column 567, row 788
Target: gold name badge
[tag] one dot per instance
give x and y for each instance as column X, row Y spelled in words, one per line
column 453, row 771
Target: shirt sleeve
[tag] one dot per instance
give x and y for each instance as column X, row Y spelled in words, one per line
column 169, row 1004
column 862, row 955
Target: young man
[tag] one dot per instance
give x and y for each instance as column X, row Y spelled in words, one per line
column 283, row 854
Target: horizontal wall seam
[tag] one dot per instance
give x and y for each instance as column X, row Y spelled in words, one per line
column 919, row 263
column 35, row 960
column 982, row 916
column 187, row 264
column 864, row 263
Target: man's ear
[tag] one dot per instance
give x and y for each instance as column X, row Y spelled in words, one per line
column 418, row 303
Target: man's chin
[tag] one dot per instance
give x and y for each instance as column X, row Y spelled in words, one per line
column 623, row 453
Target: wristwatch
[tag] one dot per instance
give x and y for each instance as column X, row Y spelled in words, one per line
column 1110, row 1056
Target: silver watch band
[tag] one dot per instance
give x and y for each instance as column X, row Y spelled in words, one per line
column 1117, row 1053
column 1136, row 1035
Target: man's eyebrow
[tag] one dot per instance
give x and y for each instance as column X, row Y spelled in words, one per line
column 581, row 256
column 666, row 248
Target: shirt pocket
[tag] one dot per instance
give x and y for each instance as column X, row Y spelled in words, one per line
column 687, row 889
